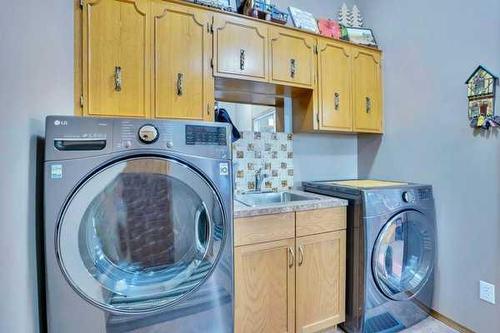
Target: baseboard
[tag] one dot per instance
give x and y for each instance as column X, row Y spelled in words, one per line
column 451, row 323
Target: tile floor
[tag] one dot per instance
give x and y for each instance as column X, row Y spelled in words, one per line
column 429, row 325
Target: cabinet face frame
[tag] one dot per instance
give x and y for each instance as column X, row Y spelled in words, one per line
column 142, row 7
column 337, row 102
column 202, row 20
column 241, row 54
column 367, row 92
column 247, row 317
column 311, row 286
column 277, row 70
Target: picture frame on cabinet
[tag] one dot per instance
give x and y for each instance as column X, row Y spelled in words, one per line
column 303, row 20
column 226, row 5
column 361, row 36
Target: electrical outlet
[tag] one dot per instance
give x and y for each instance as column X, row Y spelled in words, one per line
column 487, row 292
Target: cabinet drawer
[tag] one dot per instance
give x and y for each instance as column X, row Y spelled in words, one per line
column 317, row 221
column 264, row 228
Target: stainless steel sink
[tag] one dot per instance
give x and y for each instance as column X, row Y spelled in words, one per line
column 270, row 198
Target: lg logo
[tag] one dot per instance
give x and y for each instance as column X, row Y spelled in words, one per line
column 60, row 122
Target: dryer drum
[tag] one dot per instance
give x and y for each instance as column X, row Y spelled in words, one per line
column 140, row 234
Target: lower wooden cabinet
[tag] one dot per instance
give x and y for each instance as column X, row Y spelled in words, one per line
column 293, row 284
column 320, row 281
column 265, row 287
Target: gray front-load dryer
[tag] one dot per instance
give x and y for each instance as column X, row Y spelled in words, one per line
column 391, row 245
column 138, row 234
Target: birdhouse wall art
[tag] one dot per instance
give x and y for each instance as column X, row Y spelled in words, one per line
column 481, row 86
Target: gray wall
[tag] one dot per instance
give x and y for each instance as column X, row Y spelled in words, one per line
column 325, row 156
column 36, row 79
column 430, row 48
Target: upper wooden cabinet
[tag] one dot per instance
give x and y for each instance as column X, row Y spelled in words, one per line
column 240, row 48
column 182, row 45
column 320, row 281
column 367, row 91
column 293, row 58
column 116, row 58
column 335, row 93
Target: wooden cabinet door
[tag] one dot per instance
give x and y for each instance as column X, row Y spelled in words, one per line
column 367, row 91
column 116, row 58
column 265, row 287
column 320, row 281
column 293, row 60
column 182, row 82
column 334, row 86
column 240, row 48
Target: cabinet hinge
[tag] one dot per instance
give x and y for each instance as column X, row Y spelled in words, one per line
column 81, row 101
column 212, row 63
column 315, row 49
column 81, row 3
column 212, row 28
column 317, row 118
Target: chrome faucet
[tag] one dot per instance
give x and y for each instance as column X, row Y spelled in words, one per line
column 259, row 179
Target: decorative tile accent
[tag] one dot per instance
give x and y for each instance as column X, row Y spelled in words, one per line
column 271, row 153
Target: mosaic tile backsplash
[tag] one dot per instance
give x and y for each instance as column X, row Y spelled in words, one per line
column 272, row 153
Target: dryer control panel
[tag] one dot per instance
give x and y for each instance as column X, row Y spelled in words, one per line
column 71, row 137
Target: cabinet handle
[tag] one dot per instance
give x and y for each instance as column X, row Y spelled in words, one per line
column 118, row 78
column 301, row 255
column 291, row 257
column 180, row 84
column 337, row 101
column 242, row 59
column 293, row 68
column 368, row 104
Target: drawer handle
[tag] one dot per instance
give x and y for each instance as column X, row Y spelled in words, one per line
column 301, row 255
column 291, row 257
column 337, row 101
column 180, row 84
column 293, row 68
column 118, row 78
column 368, row 104
column 242, row 59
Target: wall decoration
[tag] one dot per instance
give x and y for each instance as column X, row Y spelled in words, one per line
column 303, row 20
column 344, row 15
column 329, row 28
column 362, row 36
column 355, row 18
column 272, row 153
column 481, row 88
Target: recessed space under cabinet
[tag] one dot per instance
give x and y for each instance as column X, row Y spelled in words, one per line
column 173, row 59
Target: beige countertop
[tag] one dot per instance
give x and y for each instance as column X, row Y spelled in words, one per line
column 320, row 201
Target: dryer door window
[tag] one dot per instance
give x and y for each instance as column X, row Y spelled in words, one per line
column 403, row 256
column 140, row 234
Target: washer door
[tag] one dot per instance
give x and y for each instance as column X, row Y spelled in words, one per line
column 140, row 234
column 403, row 256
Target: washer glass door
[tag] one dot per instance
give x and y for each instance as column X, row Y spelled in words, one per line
column 140, row 234
column 403, row 256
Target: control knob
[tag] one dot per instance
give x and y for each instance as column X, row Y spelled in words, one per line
column 148, row 134
column 408, row 197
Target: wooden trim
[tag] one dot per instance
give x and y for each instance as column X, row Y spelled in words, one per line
column 77, row 47
column 264, row 228
column 450, row 322
column 318, row 221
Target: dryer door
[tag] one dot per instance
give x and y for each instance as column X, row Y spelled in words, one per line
column 140, row 234
column 403, row 256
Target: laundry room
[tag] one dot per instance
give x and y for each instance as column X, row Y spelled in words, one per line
column 250, row 166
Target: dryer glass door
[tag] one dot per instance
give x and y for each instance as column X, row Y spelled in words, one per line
column 140, row 234
column 403, row 256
